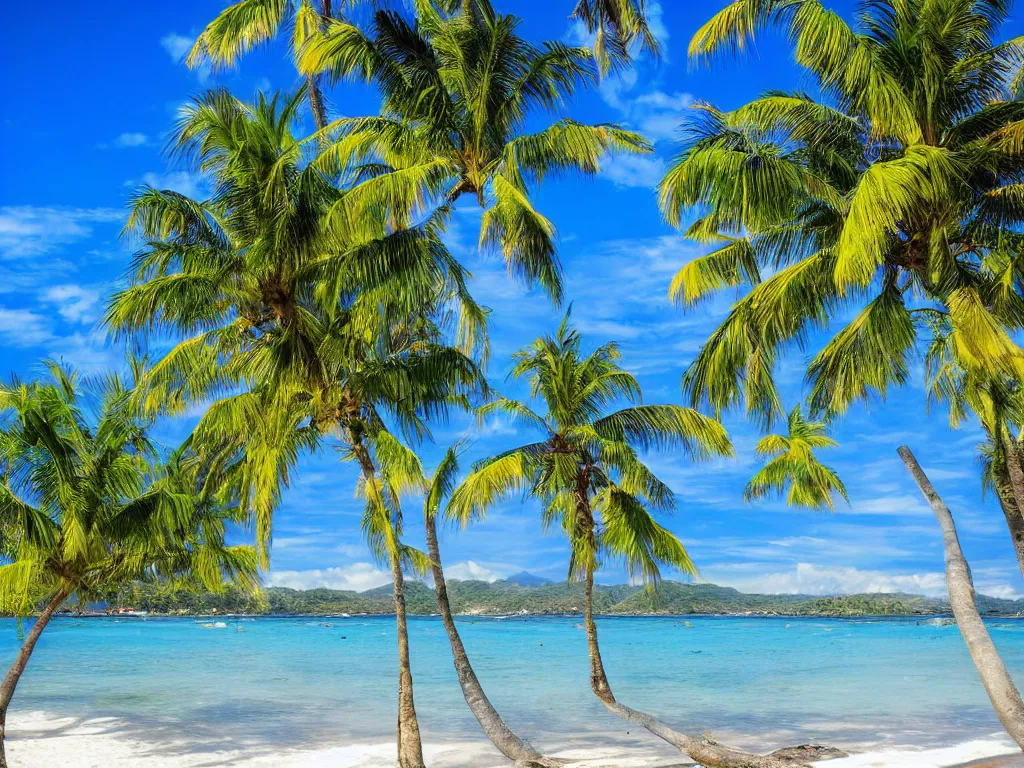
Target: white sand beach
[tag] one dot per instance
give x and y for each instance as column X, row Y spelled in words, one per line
column 41, row 740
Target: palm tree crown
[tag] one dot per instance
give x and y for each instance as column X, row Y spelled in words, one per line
column 586, row 470
column 286, row 288
column 457, row 90
column 87, row 506
column 896, row 193
column 792, row 463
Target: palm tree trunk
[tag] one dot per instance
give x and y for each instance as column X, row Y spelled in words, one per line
column 510, row 745
column 1015, row 522
column 700, row 749
column 10, row 681
column 410, row 746
column 316, row 96
column 598, row 678
column 1014, row 470
column 316, row 101
column 998, row 684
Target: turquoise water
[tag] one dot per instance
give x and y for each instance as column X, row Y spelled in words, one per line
column 299, row 682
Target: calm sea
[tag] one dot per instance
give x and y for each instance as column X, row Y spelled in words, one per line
column 307, row 681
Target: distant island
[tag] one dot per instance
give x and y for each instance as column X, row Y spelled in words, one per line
column 526, row 594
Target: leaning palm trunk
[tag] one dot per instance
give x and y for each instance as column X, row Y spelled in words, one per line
column 510, row 745
column 701, row 749
column 1014, row 522
column 998, row 684
column 316, row 102
column 410, row 746
column 10, row 681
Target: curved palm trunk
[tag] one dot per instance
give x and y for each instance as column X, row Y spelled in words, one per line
column 1013, row 507
column 510, row 745
column 10, row 681
column 998, row 684
column 410, row 746
column 1015, row 523
column 598, row 678
column 698, row 748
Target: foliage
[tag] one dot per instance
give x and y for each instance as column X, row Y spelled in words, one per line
column 586, row 470
column 892, row 196
column 503, row 598
column 87, row 505
column 301, row 312
column 792, row 463
column 458, row 88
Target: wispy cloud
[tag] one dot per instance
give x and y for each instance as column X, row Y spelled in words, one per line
column 127, row 141
column 75, row 303
column 357, row 577
column 808, row 579
column 27, row 231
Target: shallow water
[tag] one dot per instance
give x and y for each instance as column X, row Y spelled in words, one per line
column 298, row 681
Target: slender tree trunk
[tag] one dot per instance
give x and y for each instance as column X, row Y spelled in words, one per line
column 998, row 684
column 510, row 745
column 410, row 746
column 1015, row 522
column 701, row 749
column 598, row 678
column 10, row 681
column 1014, row 470
column 316, row 95
column 316, row 101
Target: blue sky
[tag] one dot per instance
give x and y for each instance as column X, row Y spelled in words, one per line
column 89, row 103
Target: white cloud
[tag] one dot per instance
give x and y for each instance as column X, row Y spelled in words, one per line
column 23, row 328
column 906, row 504
column 189, row 184
column 633, row 170
column 75, row 303
column 28, row 231
column 654, row 112
column 470, row 571
column 131, row 140
column 358, row 577
column 808, row 579
column 177, row 46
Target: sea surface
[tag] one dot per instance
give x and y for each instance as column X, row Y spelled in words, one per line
column 305, row 682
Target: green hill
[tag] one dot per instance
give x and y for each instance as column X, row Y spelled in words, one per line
column 509, row 597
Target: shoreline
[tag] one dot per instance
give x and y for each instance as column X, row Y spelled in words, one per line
column 39, row 739
column 505, row 616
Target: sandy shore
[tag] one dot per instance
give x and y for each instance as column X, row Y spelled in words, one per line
column 41, row 740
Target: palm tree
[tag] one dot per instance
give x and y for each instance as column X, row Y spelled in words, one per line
column 998, row 403
column 591, row 481
column 893, row 195
column 1002, row 692
column 897, row 194
column 617, row 25
column 87, row 507
column 307, row 313
column 250, row 23
column 441, row 486
column 458, row 89
column 792, row 464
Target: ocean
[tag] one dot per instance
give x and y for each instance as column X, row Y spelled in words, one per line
column 251, row 686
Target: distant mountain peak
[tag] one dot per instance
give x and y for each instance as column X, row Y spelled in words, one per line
column 526, row 579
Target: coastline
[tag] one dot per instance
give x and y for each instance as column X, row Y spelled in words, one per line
column 41, row 739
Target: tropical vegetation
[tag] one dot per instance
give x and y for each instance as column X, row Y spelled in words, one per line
column 89, row 504
column 306, row 298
